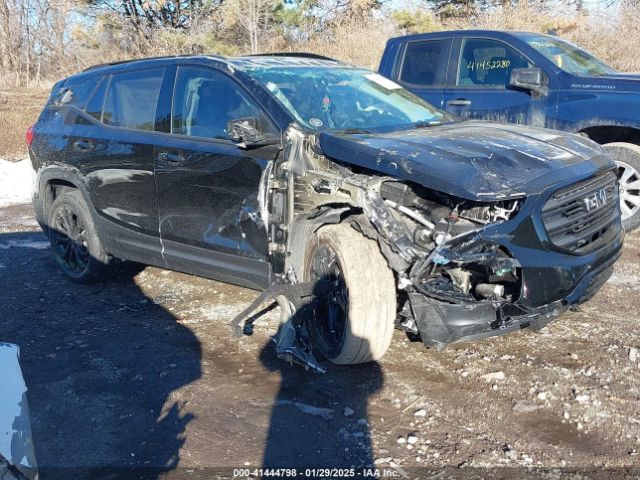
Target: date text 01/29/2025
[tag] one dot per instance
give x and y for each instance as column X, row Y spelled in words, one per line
column 314, row 473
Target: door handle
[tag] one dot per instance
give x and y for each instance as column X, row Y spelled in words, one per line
column 83, row 145
column 459, row 102
column 170, row 157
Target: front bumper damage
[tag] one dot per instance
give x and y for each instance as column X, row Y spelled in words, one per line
column 552, row 282
column 292, row 340
column 442, row 323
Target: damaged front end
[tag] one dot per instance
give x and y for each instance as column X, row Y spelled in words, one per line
column 468, row 265
column 469, row 288
column 458, row 281
column 466, row 268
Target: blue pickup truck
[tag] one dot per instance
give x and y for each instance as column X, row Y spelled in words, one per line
column 527, row 78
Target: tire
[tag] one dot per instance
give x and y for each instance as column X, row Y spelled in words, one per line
column 627, row 158
column 74, row 240
column 355, row 322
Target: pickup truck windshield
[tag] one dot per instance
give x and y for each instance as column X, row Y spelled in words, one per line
column 568, row 57
column 342, row 98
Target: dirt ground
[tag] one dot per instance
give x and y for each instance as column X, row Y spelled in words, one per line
column 141, row 377
column 18, row 111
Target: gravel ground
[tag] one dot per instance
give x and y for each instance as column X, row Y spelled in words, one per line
column 141, row 377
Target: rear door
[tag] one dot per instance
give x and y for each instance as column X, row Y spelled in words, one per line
column 211, row 220
column 478, row 85
column 113, row 147
column 423, row 68
column 115, row 152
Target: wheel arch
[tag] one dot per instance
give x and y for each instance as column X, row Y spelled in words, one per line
column 53, row 182
column 612, row 133
column 305, row 225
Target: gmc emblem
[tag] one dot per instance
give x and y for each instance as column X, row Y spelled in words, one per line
column 595, row 200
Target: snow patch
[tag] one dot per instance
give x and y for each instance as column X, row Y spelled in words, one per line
column 16, row 182
column 36, row 244
column 624, row 280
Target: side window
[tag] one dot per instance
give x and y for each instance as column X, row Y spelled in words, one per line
column 75, row 92
column 205, row 100
column 487, row 63
column 94, row 106
column 132, row 99
column 425, row 63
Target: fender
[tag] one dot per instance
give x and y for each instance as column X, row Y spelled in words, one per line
column 56, row 172
column 579, row 110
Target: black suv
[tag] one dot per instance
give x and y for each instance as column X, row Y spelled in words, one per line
column 312, row 179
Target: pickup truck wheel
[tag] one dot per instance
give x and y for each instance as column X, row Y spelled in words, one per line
column 354, row 322
column 74, row 241
column 627, row 158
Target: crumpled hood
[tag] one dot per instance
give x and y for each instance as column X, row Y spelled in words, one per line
column 475, row 160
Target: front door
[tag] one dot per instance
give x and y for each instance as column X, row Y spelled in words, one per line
column 481, row 88
column 212, row 221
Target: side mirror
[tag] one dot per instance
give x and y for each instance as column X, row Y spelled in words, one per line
column 246, row 132
column 532, row 79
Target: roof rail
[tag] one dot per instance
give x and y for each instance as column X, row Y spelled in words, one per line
column 293, row 54
column 275, row 54
column 161, row 57
column 109, row 64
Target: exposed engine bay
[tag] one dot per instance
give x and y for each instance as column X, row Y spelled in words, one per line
column 426, row 236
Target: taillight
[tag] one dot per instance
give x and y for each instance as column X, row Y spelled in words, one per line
column 30, row 134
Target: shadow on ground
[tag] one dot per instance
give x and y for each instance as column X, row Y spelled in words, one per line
column 313, row 440
column 100, row 361
column 318, row 440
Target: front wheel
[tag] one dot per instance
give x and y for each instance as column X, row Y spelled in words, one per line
column 627, row 158
column 354, row 322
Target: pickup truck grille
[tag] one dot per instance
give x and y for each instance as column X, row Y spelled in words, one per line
column 582, row 217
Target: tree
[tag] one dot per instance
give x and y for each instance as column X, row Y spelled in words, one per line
column 253, row 17
column 154, row 14
column 415, row 21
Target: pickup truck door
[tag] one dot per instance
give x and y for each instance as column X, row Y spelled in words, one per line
column 478, row 84
column 423, row 68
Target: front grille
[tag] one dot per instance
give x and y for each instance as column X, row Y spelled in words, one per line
column 582, row 216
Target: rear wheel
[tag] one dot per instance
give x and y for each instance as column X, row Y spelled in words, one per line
column 74, row 240
column 354, row 321
column 627, row 158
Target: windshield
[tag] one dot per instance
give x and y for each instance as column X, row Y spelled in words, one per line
column 327, row 98
column 568, row 57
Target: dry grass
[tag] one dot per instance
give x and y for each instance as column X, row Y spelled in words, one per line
column 357, row 42
column 19, row 109
column 612, row 35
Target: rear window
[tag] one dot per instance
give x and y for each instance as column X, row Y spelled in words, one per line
column 132, row 98
column 75, row 92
